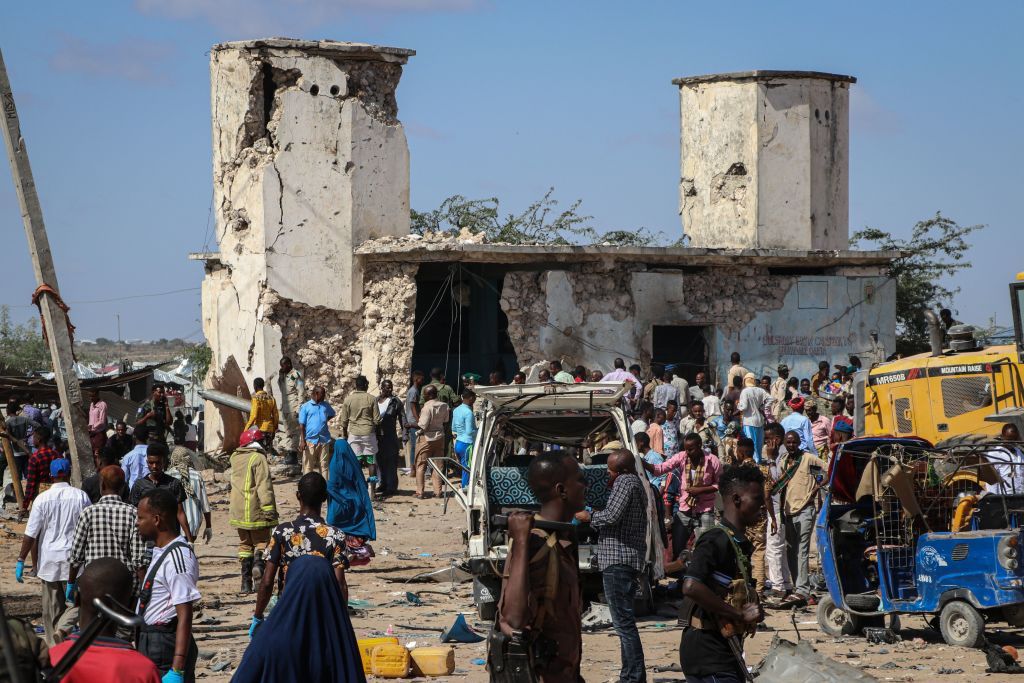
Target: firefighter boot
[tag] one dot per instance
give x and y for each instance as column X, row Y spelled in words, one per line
column 246, row 575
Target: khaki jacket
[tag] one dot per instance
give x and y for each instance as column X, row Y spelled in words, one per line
column 292, row 391
column 359, row 414
column 801, row 489
column 252, row 492
column 433, row 417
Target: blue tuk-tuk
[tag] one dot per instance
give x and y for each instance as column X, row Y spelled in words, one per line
column 908, row 529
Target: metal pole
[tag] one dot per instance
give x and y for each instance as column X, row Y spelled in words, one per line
column 57, row 335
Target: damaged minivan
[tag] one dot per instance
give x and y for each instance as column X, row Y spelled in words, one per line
column 518, row 422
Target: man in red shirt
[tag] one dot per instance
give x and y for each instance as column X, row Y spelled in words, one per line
column 108, row 658
column 37, row 473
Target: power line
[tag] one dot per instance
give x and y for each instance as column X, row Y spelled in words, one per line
column 121, row 298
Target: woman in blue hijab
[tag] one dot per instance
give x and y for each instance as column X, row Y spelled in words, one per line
column 308, row 637
column 348, row 502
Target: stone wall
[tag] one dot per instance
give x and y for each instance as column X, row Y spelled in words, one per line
column 592, row 315
column 309, row 160
column 333, row 347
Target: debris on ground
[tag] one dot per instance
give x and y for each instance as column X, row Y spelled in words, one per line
column 801, row 663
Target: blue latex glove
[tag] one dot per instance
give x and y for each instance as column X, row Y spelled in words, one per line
column 69, row 594
column 173, row 676
column 19, row 571
column 256, row 621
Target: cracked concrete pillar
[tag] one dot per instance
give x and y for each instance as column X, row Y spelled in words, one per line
column 309, row 160
column 765, row 160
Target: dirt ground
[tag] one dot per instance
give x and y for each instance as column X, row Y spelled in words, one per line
column 416, row 536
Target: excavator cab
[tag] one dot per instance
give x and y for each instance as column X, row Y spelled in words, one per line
column 1017, row 306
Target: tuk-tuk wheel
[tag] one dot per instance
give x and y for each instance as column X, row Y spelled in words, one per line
column 962, row 625
column 834, row 621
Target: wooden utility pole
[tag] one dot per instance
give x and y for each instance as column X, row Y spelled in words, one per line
column 58, row 337
column 12, row 467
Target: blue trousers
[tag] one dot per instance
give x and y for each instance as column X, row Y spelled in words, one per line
column 620, row 592
column 463, row 451
column 755, row 434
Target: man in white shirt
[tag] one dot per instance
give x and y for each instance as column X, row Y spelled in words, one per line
column 752, row 403
column 51, row 524
column 168, row 591
column 1009, row 463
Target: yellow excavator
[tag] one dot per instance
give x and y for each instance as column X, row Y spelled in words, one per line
column 959, row 392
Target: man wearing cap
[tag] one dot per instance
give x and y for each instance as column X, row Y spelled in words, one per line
column 778, row 391
column 798, row 422
column 842, row 430
column 51, row 527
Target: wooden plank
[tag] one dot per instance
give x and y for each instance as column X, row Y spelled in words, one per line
column 12, row 467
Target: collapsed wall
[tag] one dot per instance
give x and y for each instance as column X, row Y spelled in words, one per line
column 309, row 160
column 594, row 314
column 591, row 315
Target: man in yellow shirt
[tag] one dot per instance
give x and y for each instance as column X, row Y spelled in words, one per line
column 263, row 413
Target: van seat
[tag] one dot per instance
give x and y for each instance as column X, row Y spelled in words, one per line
column 507, row 487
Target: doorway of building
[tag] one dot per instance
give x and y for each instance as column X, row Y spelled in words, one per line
column 684, row 346
column 460, row 326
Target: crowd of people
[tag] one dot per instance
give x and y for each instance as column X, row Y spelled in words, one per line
column 736, row 474
column 129, row 532
column 714, row 456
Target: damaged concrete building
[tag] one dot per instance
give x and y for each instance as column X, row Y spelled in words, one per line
column 315, row 260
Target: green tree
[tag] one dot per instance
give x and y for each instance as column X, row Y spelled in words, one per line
column 540, row 223
column 199, row 355
column 22, row 348
column 936, row 249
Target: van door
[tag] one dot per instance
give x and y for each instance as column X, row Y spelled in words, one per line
column 902, row 411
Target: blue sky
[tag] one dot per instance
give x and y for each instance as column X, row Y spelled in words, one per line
column 503, row 99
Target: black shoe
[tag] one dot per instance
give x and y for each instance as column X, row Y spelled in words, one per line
column 247, row 563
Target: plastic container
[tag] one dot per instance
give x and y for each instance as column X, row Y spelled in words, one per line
column 433, row 661
column 389, row 661
column 366, row 646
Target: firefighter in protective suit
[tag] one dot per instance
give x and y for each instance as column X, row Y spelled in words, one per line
column 253, row 508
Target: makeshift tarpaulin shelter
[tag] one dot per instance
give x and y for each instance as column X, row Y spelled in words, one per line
column 43, row 390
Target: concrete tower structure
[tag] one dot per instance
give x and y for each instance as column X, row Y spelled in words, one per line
column 765, row 160
column 309, row 160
